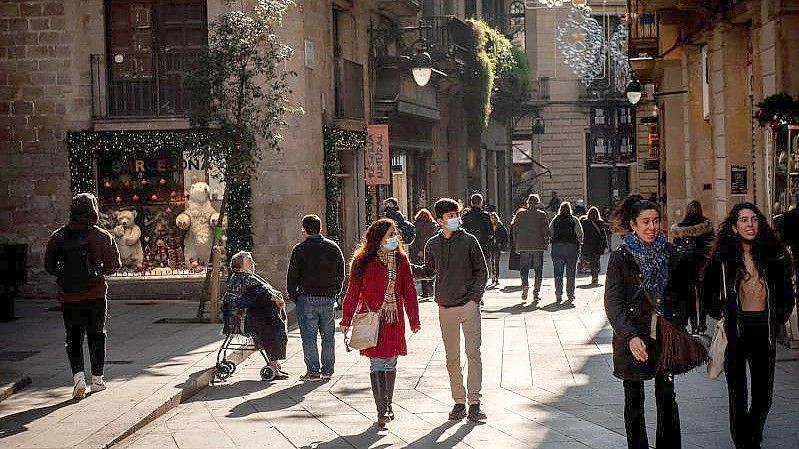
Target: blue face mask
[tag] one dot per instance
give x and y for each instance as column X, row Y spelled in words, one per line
column 391, row 244
column 453, row 224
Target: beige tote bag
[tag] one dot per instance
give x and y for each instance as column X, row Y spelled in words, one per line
column 364, row 330
column 718, row 347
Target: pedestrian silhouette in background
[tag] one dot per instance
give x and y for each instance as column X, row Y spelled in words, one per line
column 567, row 236
column 642, row 265
column 454, row 258
column 755, row 301
column 554, row 203
column 692, row 238
column 477, row 222
column 381, row 280
column 530, row 231
column 79, row 255
column 595, row 242
column 426, row 228
column 499, row 241
column 314, row 280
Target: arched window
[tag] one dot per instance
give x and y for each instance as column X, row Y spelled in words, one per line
column 516, row 24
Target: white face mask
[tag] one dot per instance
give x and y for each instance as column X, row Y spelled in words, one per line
column 453, row 224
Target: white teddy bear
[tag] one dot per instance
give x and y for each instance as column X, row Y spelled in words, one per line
column 127, row 235
column 198, row 218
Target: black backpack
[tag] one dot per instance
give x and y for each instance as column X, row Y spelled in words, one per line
column 76, row 265
column 408, row 231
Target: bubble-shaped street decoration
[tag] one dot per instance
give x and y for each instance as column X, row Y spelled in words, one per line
column 618, row 50
column 581, row 41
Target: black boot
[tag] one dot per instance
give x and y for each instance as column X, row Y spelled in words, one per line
column 378, row 379
column 391, row 377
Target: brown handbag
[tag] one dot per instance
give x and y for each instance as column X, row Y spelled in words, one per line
column 678, row 352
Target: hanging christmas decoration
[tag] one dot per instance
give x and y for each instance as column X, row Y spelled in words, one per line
column 618, row 49
column 336, row 139
column 580, row 39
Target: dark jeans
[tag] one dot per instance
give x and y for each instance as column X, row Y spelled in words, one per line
column 493, row 264
column 534, row 260
column 315, row 316
column 593, row 265
column 427, row 288
column 752, row 349
column 564, row 258
column 85, row 318
column 668, row 415
column 696, row 313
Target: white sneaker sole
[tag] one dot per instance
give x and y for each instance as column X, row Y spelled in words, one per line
column 79, row 392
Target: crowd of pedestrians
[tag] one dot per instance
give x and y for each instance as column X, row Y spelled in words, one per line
column 740, row 274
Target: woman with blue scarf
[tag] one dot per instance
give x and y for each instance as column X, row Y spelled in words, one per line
column 638, row 275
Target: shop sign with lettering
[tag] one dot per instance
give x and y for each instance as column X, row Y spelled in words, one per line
column 376, row 159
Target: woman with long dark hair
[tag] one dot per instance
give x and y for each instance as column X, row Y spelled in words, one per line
column 426, row 228
column 595, row 241
column 381, row 280
column 640, row 269
column 748, row 282
column 692, row 238
column 567, row 236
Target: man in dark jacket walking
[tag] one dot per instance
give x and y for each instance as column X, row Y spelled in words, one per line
column 78, row 255
column 477, row 222
column 454, row 258
column 315, row 279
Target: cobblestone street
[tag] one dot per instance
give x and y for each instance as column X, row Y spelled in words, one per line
column 547, row 384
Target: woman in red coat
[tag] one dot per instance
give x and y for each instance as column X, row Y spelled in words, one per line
column 381, row 280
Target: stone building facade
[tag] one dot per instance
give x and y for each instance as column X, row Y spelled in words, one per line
column 576, row 120
column 49, row 85
column 714, row 66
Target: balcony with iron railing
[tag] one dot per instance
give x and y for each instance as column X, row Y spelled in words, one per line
column 141, row 85
column 644, row 33
column 447, row 37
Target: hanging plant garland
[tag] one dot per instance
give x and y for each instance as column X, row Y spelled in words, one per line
column 778, row 111
column 334, row 140
column 85, row 146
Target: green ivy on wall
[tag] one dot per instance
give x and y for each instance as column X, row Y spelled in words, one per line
column 334, row 140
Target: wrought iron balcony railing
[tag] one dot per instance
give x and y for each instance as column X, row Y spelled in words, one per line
column 136, row 85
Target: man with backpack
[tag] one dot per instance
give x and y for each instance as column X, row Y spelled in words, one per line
column 79, row 255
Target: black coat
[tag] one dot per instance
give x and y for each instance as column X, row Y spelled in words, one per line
column 629, row 312
column 425, row 230
column 477, row 222
column 692, row 240
column 595, row 240
column 780, row 301
column 249, row 297
column 500, row 240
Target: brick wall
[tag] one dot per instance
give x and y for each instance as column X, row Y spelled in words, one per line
column 35, row 78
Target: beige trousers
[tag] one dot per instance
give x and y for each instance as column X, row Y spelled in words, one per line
column 452, row 320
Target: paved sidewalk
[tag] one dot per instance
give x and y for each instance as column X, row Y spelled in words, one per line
column 149, row 368
column 547, row 384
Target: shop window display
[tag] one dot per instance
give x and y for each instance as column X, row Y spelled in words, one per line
column 159, row 226
column 786, row 168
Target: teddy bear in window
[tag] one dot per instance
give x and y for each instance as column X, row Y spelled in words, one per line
column 128, row 238
column 197, row 220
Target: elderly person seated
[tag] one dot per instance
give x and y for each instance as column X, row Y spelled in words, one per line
column 263, row 304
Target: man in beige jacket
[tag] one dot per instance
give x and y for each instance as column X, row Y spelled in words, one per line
column 530, row 229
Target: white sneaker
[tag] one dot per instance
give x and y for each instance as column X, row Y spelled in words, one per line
column 79, row 391
column 97, row 384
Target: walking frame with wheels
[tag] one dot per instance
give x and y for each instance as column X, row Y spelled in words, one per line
column 234, row 315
